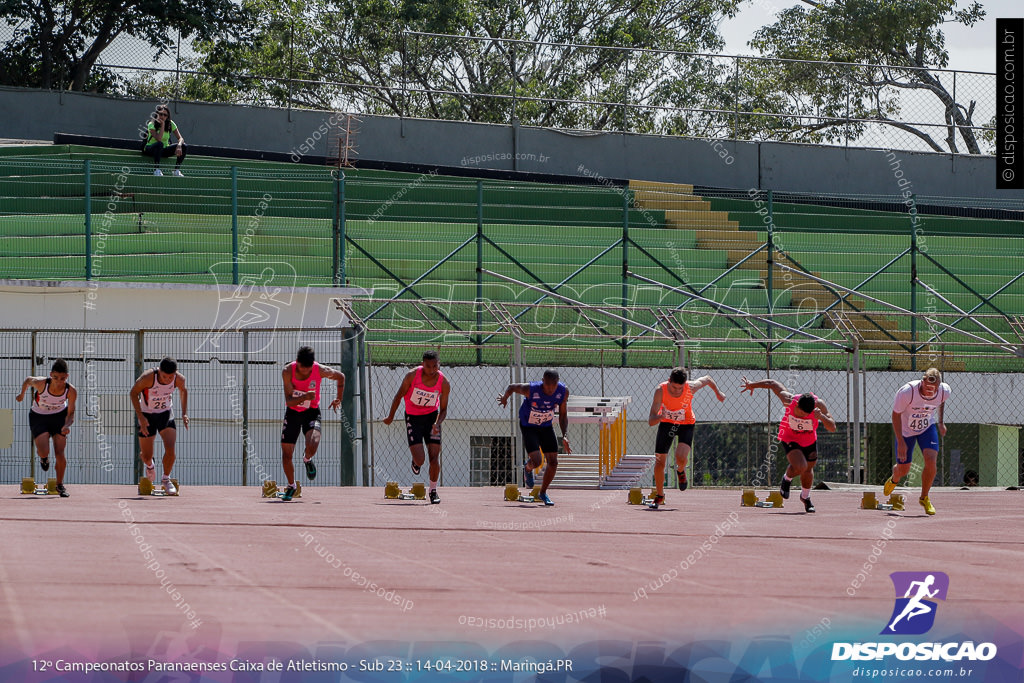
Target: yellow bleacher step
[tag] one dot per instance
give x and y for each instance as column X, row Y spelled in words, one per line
column 658, row 185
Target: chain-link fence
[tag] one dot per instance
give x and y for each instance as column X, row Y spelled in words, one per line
column 235, row 402
column 735, row 442
column 584, row 87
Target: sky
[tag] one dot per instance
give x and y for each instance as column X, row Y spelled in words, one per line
column 970, row 49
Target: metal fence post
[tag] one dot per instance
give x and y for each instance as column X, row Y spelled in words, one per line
column 625, row 96
column 87, row 170
column 234, row 225
column 771, row 278
column 138, row 361
column 32, row 373
column 338, row 276
column 913, row 286
column 479, row 267
column 625, row 269
column 177, row 73
column 364, row 408
column 858, row 461
column 736, row 100
column 245, row 407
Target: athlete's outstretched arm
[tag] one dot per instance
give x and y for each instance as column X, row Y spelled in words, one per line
column 774, row 385
column 37, row 383
column 522, row 389
column 563, row 421
column 144, row 380
column 399, row 395
column 824, row 416
column 179, row 381
column 339, row 377
column 442, row 409
column 706, row 381
column 655, row 415
column 72, row 402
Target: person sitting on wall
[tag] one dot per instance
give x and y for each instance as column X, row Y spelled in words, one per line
column 158, row 139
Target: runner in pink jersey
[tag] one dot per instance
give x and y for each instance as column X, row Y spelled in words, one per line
column 302, row 378
column 425, row 392
column 798, row 434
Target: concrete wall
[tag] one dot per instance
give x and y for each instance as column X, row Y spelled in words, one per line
column 32, row 114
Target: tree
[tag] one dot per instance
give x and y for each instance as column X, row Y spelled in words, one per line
column 356, row 54
column 903, row 39
column 54, row 37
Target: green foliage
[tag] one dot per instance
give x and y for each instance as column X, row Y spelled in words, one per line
column 354, row 54
column 902, row 38
column 58, row 41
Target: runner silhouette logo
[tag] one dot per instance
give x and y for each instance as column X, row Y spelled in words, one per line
column 916, row 596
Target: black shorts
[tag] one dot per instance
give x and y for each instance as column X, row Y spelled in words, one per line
column 157, row 423
column 419, row 428
column 539, row 438
column 46, row 424
column 810, row 452
column 667, row 431
column 296, row 421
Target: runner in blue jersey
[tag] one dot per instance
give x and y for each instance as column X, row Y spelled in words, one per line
column 536, row 420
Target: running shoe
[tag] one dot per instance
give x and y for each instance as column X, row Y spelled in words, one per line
column 927, row 505
column 289, row 493
column 683, row 483
column 157, row 172
column 178, row 173
column 310, row 469
column 416, row 468
column 527, row 476
column 784, row 487
column 808, row 505
column 62, row 491
column 434, row 498
column 544, row 497
column 169, row 488
column 45, row 463
column 151, row 472
column 658, row 500
column 890, row 486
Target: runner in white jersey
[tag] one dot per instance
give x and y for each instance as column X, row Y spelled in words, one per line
column 152, row 397
column 913, row 423
column 50, row 416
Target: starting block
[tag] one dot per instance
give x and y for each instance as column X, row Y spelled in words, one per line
column 29, row 485
column 869, row 502
column 637, row 497
column 751, row 500
column 148, row 488
column 514, row 495
column 392, row 491
column 272, row 490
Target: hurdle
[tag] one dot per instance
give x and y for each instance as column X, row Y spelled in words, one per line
column 609, row 413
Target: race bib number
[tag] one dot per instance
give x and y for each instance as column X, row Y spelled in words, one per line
column 541, row 417
column 160, row 404
column 423, row 398
column 800, row 424
column 676, row 415
column 919, row 421
column 304, row 404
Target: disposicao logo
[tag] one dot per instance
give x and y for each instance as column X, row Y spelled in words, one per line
column 914, row 614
